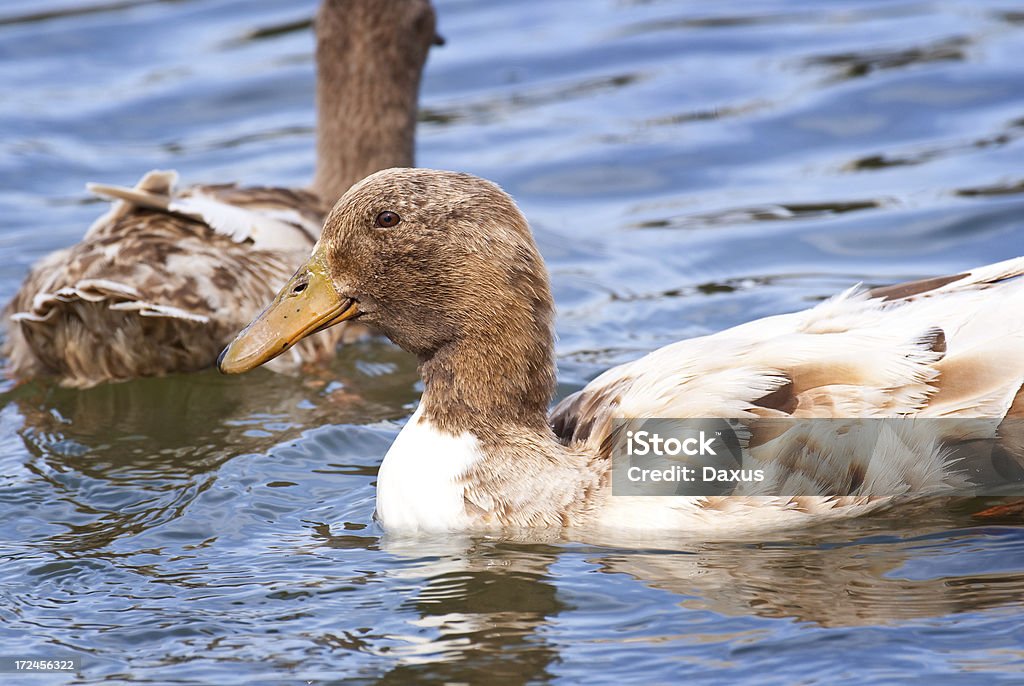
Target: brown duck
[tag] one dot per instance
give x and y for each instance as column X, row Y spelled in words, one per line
column 445, row 265
column 162, row 281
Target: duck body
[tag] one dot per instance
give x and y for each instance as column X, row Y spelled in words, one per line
column 458, row 282
column 162, row 281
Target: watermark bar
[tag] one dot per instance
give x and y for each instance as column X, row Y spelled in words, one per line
column 818, row 457
column 28, row 664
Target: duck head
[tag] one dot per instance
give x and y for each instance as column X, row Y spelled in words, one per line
column 443, row 263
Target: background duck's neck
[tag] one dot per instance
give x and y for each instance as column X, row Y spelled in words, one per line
column 370, row 56
column 489, row 386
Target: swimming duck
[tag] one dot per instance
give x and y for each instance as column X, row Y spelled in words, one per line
column 162, row 281
column 444, row 264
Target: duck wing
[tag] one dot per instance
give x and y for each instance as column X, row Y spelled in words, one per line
column 951, row 347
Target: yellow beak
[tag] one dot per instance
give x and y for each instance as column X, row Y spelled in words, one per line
column 308, row 303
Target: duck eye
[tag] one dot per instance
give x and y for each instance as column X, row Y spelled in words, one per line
column 387, row 219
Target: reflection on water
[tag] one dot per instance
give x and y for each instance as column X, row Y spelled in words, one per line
column 133, row 456
column 502, row 609
column 686, row 166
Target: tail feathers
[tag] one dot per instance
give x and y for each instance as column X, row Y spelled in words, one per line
column 989, row 274
column 268, row 228
column 975, row 279
column 132, row 196
column 156, row 182
column 153, row 190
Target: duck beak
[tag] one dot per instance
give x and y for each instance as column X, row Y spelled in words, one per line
column 308, row 303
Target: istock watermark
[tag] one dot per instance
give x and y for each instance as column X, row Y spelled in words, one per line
column 817, row 457
column 648, row 443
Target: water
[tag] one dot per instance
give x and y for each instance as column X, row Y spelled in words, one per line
column 686, row 166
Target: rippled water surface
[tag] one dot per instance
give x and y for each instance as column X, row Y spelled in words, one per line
column 686, row 166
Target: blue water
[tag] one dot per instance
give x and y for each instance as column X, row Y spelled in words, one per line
column 686, row 166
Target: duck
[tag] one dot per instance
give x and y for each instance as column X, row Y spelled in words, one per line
column 164, row 279
column 445, row 265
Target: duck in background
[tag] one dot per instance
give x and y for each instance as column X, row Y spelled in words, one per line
column 161, row 282
column 445, row 265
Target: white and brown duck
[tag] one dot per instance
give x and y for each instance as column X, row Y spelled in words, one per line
column 162, row 281
column 445, row 265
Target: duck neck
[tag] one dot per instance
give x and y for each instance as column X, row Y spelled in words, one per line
column 369, row 65
column 491, row 388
